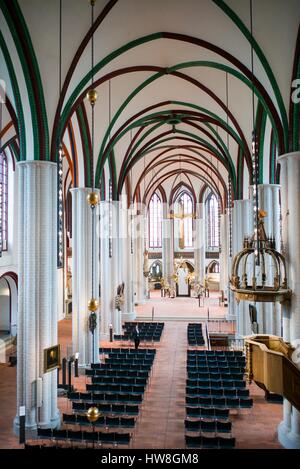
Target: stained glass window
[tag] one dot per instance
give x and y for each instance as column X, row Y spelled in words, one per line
column 212, row 221
column 4, row 201
column 155, row 222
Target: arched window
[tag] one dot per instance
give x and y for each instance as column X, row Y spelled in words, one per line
column 212, row 221
column 213, row 268
column 155, row 222
column 184, row 220
column 3, row 202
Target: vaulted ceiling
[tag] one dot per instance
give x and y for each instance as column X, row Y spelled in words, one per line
column 174, row 82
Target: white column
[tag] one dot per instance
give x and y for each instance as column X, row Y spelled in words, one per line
column 224, row 253
column 128, row 312
column 167, row 252
column 289, row 428
column 144, row 280
column 114, row 313
column 37, row 299
column 83, row 340
column 106, row 294
column 60, row 294
column 270, row 314
column 241, row 226
column 139, row 258
column 200, row 248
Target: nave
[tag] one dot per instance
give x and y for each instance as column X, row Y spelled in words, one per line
column 160, row 423
column 149, row 171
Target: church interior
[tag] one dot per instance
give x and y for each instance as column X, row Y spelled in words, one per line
column 150, row 224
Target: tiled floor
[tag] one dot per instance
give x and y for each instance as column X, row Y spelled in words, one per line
column 161, row 423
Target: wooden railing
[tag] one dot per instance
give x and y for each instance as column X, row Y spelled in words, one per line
column 270, row 366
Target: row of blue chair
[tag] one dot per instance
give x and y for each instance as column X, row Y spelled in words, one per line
column 105, row 397
column 125, row 366
column 229, row 402
column 194, row 334
column 140, row 323
column 216, row 368
column 129, row 361
column 216, row 392
column 130, row 356
column 216, row 383
column 143, row 326
column 118, row 409
column 133, row 351
column 240, row 361
column 147, row 337
column 215, row 426
column 192, row 373
column 220, row 413
column 125, row 381
column 103, row 421
column 97, row 371
column 209, row 442
column 232, row 353
column 96, row 437
column 116, row 388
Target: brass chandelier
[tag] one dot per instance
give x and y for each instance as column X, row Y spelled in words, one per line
column 259, row 288
column 268, row 281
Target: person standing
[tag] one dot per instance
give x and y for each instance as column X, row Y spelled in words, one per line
column 136, row 337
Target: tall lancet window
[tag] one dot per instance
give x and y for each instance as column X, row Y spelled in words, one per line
column 3, row 201
column 184, row 220
column 155, row 221
column 212, row 221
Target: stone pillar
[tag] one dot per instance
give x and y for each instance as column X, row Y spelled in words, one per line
column 37, row 298
column 242, row 225
column 167, row 251
column 224, row 253
column 84, row 342
column 200, row 246
column 138, row 254
column 289, row 428
column 114, row 315
column 128, row 312
column 269, row 313
column 106, row 294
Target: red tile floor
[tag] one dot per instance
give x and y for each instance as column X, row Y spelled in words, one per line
column 161, row 422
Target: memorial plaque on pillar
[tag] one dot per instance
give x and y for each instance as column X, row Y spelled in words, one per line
column 51, row 358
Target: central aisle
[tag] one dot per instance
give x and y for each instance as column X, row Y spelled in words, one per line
column 161, row 423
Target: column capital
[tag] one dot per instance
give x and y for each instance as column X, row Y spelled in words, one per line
column 268, row 185
column 241, row 202
column 36, row 163
column 292, row 155
column 86, row 190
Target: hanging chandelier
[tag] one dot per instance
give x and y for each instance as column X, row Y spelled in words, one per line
column 266, row 284
column 267, row 267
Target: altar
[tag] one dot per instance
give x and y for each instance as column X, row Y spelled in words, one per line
column 182, row 286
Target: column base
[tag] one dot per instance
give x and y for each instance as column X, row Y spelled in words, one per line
column 31, row 430
column 54, row 422
column 238, row 336
column 287, row 438
column 230, row 317
column 129, row 316
column 104, row 336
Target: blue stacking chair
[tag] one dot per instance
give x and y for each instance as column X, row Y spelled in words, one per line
column 209, row 442
column 223, row 427
column 226, row 443
column 193, row 411
column 192, row 441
